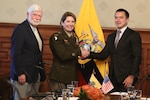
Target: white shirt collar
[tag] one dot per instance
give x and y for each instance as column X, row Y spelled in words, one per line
column 122, row 30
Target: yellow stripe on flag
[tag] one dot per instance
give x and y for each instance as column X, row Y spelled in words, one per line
column 94, row 81
column 89, row 30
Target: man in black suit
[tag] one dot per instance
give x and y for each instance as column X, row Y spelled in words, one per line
column 27, row 68
column 125, row 55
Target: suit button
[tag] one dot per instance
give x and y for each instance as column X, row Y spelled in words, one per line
column 73, row 54
column 40, row 62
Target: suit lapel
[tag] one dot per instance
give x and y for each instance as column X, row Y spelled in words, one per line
column 34, row 38
column 40, row 37
column 124, row 37
column 70, row 40
column 113, row 39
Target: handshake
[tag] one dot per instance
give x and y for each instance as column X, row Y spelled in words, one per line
column 85, row 50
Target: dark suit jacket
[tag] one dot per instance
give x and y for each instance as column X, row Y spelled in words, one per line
column 25, row 54
column 65, row 54
column 126, row 58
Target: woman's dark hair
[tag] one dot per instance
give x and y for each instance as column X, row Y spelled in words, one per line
column 65, row 15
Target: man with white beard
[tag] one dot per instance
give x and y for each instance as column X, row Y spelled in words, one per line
column 27, row 68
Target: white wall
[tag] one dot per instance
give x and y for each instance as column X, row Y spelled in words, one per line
column 14, row 11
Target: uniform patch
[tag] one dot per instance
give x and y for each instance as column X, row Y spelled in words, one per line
column 55, row 37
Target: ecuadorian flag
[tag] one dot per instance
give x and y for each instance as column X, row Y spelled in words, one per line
column 89, row 31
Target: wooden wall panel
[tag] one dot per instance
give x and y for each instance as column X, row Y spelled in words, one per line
column 6, row 30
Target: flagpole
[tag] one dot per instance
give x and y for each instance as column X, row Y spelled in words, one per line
column 105, row 69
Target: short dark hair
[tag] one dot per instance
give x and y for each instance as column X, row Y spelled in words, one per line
column 123, row 10
column 66, row 14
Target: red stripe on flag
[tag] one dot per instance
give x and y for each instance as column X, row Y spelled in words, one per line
column 107, row 87
column 81, row 80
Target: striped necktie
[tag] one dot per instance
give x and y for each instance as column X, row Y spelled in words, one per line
column 117, row 38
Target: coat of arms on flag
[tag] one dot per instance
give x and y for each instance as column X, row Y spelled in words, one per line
column 89, row 31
